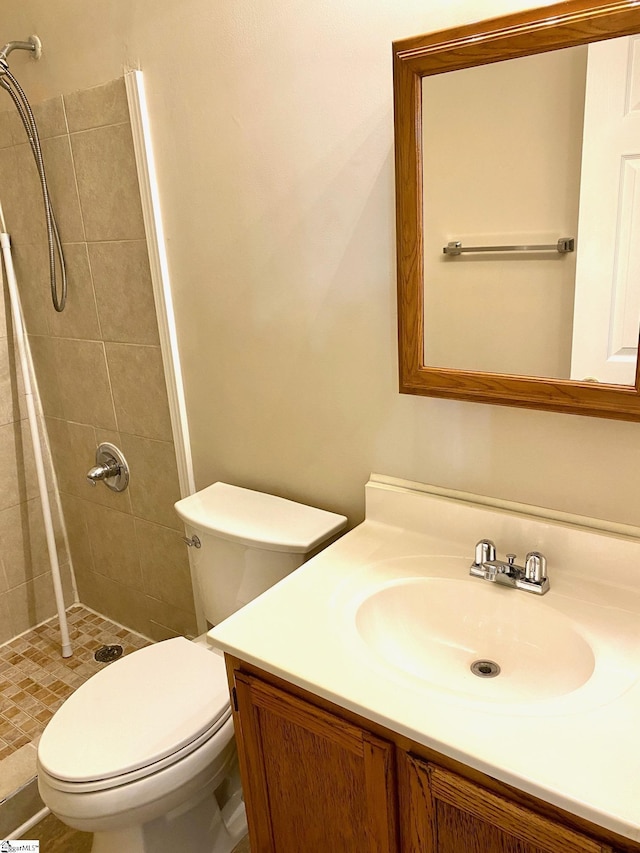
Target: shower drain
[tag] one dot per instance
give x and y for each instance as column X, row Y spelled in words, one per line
column 485, row 668
column 105, row 654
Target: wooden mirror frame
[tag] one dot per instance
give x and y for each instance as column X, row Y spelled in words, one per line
column 535, row 31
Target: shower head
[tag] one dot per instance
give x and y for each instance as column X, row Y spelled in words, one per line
column 33, row 44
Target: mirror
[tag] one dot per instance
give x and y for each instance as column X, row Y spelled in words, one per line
column 518, row 270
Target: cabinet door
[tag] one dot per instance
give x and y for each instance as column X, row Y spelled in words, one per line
column 448, row 814
column 313, row 783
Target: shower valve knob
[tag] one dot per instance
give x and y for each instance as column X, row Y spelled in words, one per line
column 102, row 472
column 111, row 467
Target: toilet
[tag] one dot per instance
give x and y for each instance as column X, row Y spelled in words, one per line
column 143, row 754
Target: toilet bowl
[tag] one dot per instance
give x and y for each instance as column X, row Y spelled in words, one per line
column 143, row 766
column 143, row 754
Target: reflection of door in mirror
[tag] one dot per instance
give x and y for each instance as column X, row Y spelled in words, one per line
column 501, row 166
column 607, row 302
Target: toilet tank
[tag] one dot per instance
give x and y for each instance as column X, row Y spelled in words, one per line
column 248, row 542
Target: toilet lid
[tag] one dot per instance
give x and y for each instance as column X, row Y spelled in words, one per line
column 136, row 712
column 258, row 520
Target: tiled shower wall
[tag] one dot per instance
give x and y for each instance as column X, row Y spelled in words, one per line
column 99, row 364
column 26, row 590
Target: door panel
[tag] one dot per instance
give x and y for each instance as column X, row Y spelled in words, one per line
column 313, row 782
column 449, row 814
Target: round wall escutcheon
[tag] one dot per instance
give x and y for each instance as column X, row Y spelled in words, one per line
column 110, row 456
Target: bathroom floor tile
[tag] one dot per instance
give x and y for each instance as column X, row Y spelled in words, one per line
column 55, row 837
column 35, row 680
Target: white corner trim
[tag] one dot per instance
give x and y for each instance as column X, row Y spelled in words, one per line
column 149, row 196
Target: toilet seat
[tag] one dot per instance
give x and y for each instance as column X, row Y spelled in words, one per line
column 140, row 714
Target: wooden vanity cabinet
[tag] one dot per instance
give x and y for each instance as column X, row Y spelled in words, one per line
column 449, row 814
column 314, row 783
column 320, row 779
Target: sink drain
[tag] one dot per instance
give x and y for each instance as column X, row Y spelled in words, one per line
column 105, row 654
column 485, row 668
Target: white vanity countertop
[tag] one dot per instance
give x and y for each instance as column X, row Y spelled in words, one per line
column 580, row 752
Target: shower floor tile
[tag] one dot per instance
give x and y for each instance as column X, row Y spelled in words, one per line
column 35, row 680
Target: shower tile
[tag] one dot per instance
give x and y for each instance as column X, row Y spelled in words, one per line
column 26, row 219
column 12, row 402
column 17, row 470
column 50, row 118
column 122, row 281
column 16, row 739
column 124, row 605
column 27, row 460
column 73, row 447
column 43, row 354
column 29, row 726
column 83, row 381
column 139, row 390
column 12, row 491
column 5, row 630
column 5, row 311
column 114, row 547
column 80, row 316
column 30, row 603
column 35, row 680
column 62, row 188
column 31, row 263
column 166, row 620
column 64, row 455
column 159, row 632
column 96, row 107
column 165, row 565
column 108, row 183
column 154, row 485
column 21, row 195
column 78, row 536
column 10, row 125
column 24, row 545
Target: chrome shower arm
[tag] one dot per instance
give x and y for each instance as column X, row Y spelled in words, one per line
column 33, row 44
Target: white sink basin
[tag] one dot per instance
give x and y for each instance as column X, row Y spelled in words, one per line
column 435, row 628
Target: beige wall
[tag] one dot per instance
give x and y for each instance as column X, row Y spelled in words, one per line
column 98, row 363
column 502, row 147
column 273, row 135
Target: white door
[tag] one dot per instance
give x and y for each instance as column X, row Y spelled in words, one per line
column 607, row 293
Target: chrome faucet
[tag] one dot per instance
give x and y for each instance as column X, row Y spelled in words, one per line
column 532, row 577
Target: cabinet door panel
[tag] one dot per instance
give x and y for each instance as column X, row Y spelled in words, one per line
column 313, row 782
column 448, row 814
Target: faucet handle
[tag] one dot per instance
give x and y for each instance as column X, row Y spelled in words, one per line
column 111, row 467
column 485, row 552
column 535, row 567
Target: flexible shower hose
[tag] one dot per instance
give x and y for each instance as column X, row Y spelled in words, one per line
column 11, row 85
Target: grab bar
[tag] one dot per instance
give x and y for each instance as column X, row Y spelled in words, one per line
column 564, row 245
